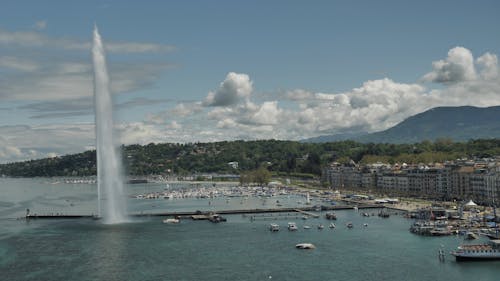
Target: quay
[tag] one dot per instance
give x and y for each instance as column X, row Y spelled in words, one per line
column 200, row 215
column 309, row 214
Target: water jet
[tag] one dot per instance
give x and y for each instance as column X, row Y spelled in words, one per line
column 110, row 190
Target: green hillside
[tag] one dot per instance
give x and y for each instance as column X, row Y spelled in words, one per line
column 286, row 157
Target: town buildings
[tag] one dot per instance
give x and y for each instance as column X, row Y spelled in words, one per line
column 478, row 180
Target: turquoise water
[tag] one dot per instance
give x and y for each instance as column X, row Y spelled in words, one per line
column 199, row 250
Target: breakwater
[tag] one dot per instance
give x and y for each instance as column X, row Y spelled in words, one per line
column 221, row 212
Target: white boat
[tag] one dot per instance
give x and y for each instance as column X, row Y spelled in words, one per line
column 305, row 246
column 308, row 199
column 307, row 227
column 321, row 226
column 171, row 221
column 274, row 227
column 332, row 225
column 490, row 251
column 349, row 225
column 292, row 226
column 469, row 235
column 331, row 216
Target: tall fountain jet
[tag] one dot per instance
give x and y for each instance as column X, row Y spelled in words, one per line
column 111, row 197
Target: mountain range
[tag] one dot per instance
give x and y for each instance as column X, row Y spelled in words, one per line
column 456, row 123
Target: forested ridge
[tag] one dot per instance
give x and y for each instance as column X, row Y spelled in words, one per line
column 288, row 157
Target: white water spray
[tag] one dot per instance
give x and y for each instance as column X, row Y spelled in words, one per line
column 109, row 169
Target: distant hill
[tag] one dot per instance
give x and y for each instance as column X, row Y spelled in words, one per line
column 457, row 123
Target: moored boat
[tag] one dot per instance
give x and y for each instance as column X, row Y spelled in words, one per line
column 469, row 235
column 292, row 226
column 305, row 246
column 330, row 216
column 274, row 227
column 171, row 221
column 478, row 252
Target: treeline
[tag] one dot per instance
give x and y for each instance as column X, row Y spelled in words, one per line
column 283, row 157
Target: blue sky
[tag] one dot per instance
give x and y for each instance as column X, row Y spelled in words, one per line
column 185, row 71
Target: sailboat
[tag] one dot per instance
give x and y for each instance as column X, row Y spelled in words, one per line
column 308, row 199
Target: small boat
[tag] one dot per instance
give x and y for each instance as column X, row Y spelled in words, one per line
column 171, row 221
column 478, row 252
column 305, row 246
column 321, row 226
column 332, row 225
column 274, row 227
column 292, row 226
column 307, row 227
column 365, row 224
column 469, row 235
column 330, row 216
column 440, row 231
column 216, row 218
column 384, row 214
column 349, row 225
column 308, row 199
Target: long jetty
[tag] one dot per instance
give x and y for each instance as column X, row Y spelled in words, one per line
column 187, row 214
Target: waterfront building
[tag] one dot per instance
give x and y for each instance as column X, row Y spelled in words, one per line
column 460, row 180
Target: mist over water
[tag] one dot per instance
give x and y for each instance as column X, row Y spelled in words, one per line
column 110, row 189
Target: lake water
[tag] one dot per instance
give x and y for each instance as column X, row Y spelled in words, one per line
column 238, row 249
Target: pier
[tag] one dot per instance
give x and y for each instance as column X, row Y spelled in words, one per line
column 197, row 215
column 309, row 214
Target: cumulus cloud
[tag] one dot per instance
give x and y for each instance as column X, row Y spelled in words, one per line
column 457, row 67
column 181, row 110
column 235, row 88
column 8, row 151
column 30, row 142
column 267, row 114
column 488, row 64
column 375, row 105
column 229, row 112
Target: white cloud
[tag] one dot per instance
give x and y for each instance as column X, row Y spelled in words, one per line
column 173, row 125
column 299, row 94
column 38, row 39
column 62, row 80
column 235, row 88
column 488, row 64
column 186, row 109
column 181, row 110
column 18, row 64
column 30, row 142
column 136, row 47
column 267, row 114
column 457, row 67
column 40, row 25
column 230, row 113
column 138, row 132
column 376, row 105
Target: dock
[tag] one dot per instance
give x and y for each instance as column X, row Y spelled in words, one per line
column 309, row 214
column 202, row 215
